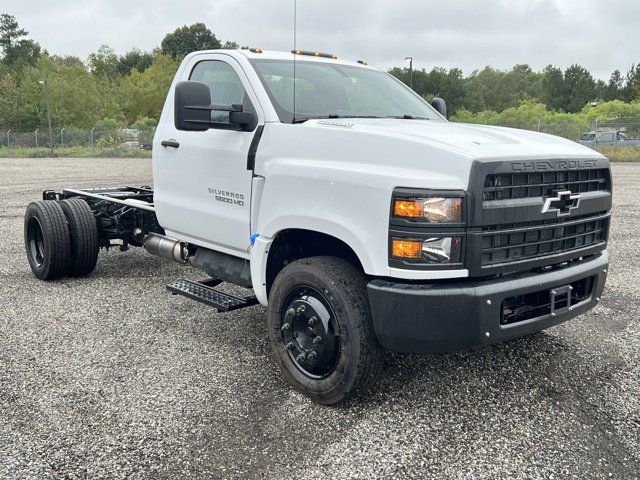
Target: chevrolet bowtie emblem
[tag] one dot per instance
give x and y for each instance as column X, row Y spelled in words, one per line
column 562, row 203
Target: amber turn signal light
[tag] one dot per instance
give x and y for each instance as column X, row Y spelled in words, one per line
column 408, row 208
column 406, row 248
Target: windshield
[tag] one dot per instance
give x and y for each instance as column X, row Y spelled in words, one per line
column 325, row 90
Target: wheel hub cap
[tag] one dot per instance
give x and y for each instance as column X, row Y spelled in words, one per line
column 310, row 332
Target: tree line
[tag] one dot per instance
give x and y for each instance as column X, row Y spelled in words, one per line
column 490, row 89
column 108, row 89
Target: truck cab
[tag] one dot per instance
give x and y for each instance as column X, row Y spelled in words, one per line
column 353, row 211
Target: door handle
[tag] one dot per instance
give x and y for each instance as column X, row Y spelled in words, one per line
column 170, row 143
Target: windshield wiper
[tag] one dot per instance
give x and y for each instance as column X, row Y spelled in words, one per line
column 408, row 117
column 332, row 116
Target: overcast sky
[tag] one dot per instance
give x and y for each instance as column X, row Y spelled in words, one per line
column 601, row 35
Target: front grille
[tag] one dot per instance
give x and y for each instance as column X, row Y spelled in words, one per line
column 507, row 186
column 538, row 304
column 509, row 244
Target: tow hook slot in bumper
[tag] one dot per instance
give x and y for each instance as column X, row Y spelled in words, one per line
column 560, row 301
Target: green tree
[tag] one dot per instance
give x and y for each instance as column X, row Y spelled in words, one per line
column 9, row 101
column 521, row 84
column 614, row 89
column 144, row 92
column 77, row 100
column 68, row 60
column 631, row 90
column 439, row 82
column 485, row 91
column 554, row 91
column 581, row 88
column 16, row 49
column 104, row 62
column 187, row 39
column 134, row 59
column 229, row 45
column 447, row 84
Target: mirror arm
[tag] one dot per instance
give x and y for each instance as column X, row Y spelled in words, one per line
column 220, row 108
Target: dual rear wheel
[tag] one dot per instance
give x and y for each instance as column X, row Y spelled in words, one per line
column 61, row 238
column 318, row 320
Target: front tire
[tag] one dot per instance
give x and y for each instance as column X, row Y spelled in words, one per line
column 46, row 238
column 319, row 325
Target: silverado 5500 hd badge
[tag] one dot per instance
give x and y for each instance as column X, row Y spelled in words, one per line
column 226, row 196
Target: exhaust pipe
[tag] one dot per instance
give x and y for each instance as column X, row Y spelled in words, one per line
column 165, row 247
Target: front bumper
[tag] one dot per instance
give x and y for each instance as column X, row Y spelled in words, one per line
column 450, row 316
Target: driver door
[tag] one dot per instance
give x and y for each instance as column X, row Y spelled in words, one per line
column 203, row 186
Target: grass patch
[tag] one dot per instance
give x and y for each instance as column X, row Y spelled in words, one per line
column 621, row 154
column 75, row 152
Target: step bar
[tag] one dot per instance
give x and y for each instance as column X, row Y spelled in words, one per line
column 203, row 291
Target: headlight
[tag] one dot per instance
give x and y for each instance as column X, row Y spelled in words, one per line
column 431, row 250
column 433, row 209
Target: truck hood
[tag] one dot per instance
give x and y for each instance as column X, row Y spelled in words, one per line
column 474, row 141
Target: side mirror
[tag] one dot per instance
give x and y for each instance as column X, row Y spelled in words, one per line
column 440, row 105
column 191, row 94
column 193, row 110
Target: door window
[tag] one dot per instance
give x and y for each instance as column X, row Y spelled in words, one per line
column 605, row 137
column 225, row 86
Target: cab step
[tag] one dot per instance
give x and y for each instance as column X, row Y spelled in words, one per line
column 204, row 292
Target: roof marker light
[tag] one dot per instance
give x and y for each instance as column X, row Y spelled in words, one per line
column 314, row 54
column 362, row 62
column 255, row 50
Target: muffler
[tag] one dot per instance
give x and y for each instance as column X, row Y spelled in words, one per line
column 166, row 247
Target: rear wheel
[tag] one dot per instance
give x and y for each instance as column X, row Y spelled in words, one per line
column 46, row 237
column 320, row 329
column 83, row 232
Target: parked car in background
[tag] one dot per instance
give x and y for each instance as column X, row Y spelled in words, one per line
column 614, row 138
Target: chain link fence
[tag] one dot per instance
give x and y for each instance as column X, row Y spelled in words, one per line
column 123, row 142
column 76, row 142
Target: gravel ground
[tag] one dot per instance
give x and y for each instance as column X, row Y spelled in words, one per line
column 112, row 377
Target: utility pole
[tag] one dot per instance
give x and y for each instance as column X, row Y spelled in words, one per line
column 410, row 71
column 46, row 99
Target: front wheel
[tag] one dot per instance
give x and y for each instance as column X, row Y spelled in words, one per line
column 320, row 329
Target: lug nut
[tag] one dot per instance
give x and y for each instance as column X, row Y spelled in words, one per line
column 285, row 327
column 290, row 313
column 312, row 356
column 311, row 331
column 317, row 340
column 301, row 357
column 312, row 321
column 289, row 346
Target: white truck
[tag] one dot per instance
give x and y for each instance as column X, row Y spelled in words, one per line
column 352, row 210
